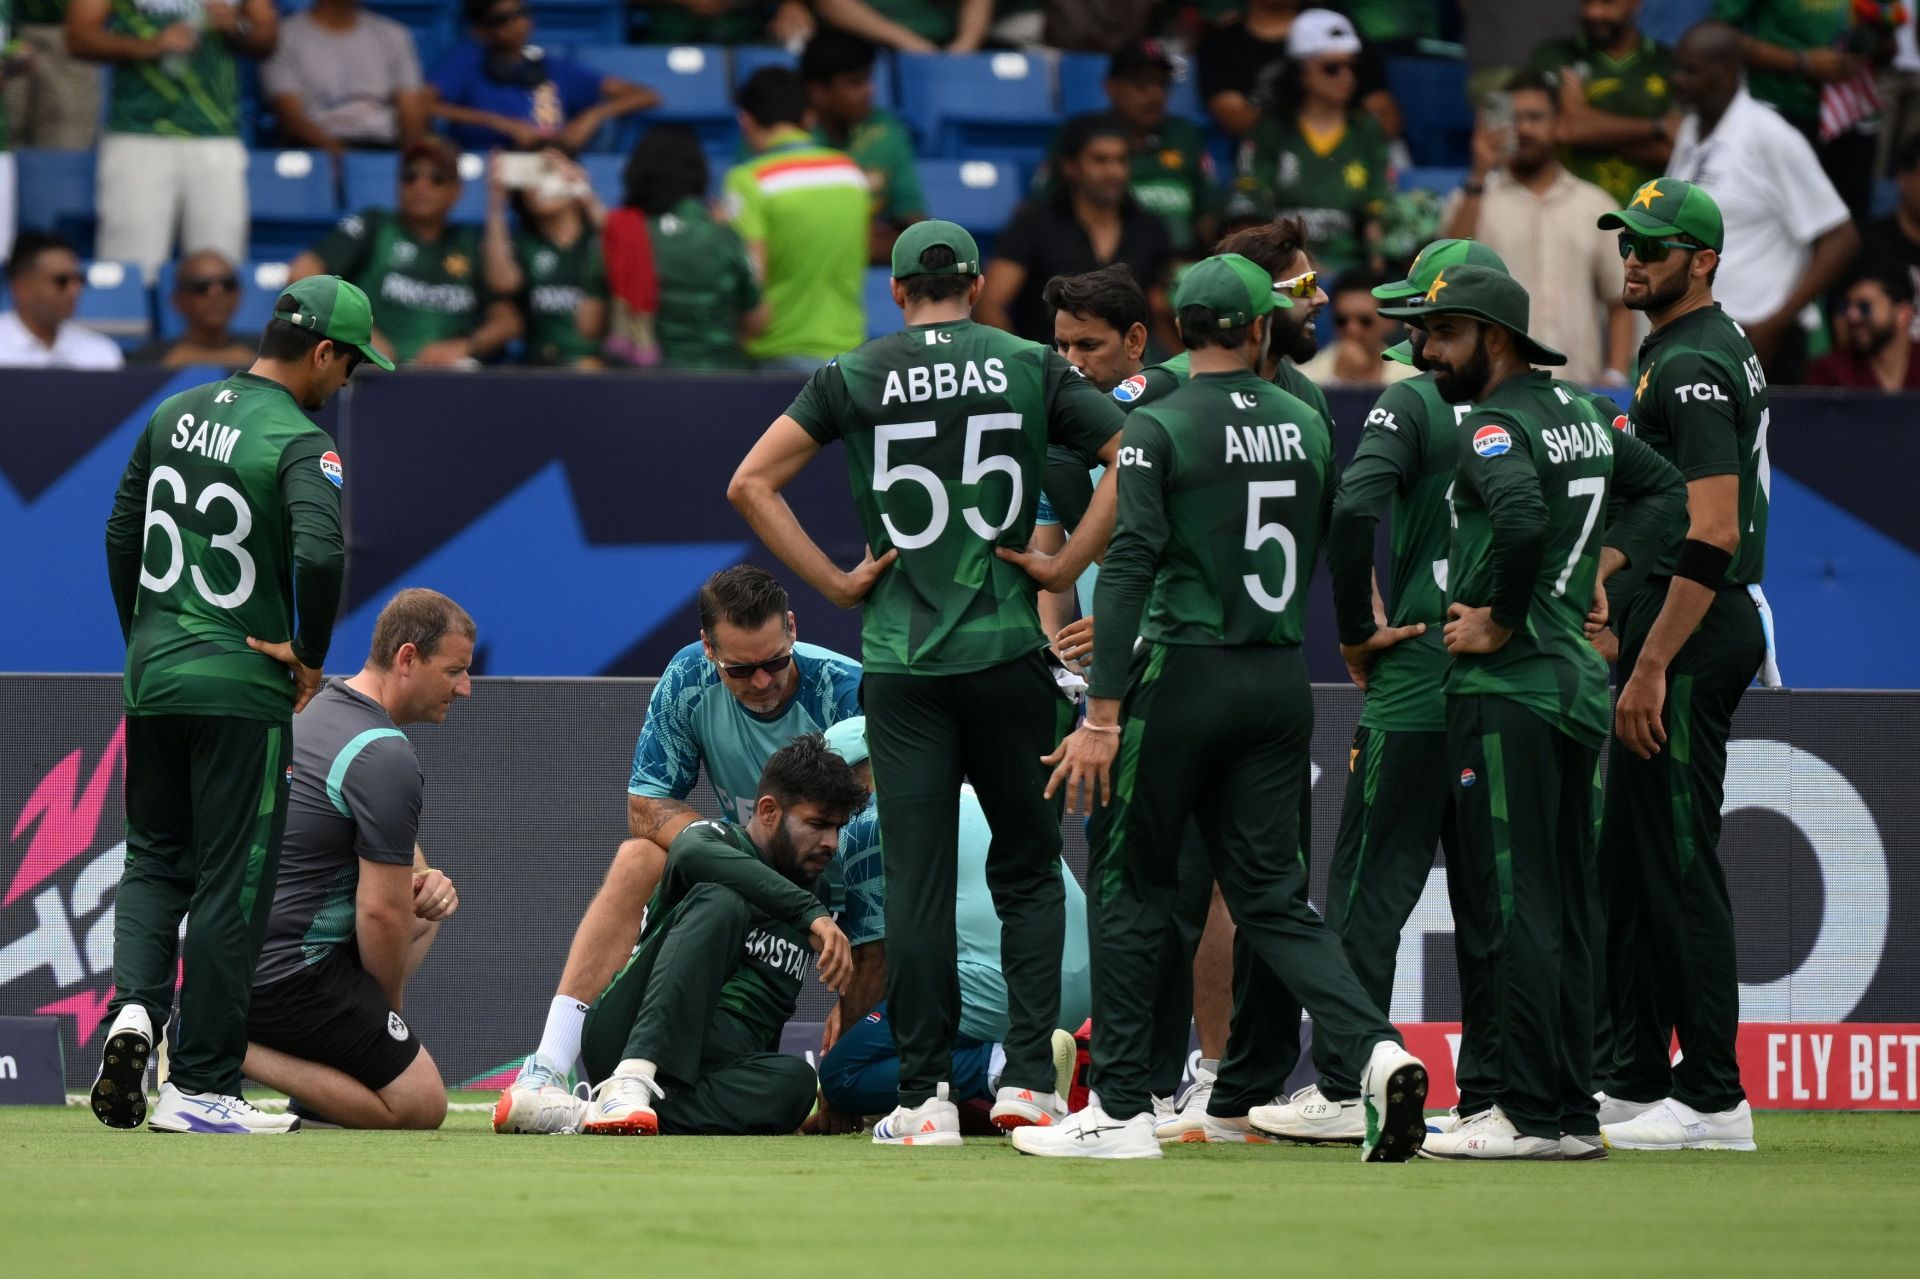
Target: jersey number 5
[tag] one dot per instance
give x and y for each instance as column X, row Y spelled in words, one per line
column 1259, row 535
column 975, row 468
column 229, row 542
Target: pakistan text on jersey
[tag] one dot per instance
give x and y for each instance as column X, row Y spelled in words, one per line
column 448, row 299
column 556, row 299
column 777, row 953
column 211, row 439
column 944, row 381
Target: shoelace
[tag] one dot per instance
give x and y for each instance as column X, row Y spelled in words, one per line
column 536, row 1074
column 624, row 1088
column 1198, row 1094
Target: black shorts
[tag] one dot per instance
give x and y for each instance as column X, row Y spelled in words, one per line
column 335, row 1013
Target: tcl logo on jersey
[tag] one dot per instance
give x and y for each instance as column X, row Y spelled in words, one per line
column 330, row 467
column 1381, row 417
column 1131, row 456
column 1131, row 389
column 1699, row 391
column 1491, row 441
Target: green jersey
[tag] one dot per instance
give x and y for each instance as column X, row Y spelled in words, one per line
column 1701, row 403
column 182, row 95
column 423, row 291
column 706, row 285
column 226, row 525
column 1530, row 506
column 1223, row 492
column 809, row 207
column 1639, row 85
column 946, row 428
column 1160, row 380
column 1791, row 24
column 1172, row 178
column 45, row 13
column 764, row 987
column 883, row 149
column 556, row 281
column 1335, row 187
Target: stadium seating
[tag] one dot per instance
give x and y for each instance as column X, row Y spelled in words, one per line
column 1437, row 117
column 978, row 194
column 260, row 284
column 690, row 79
column 604, row 171
column 1439, row 179
column 56, row 192
column 372, row 178
column 116, row 302
column 1083, row 87
column 989, row 106
column 882, row 315
column 561, row 22
column 749, row 58
column 435, row 25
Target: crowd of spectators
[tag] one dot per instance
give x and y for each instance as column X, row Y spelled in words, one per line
column 1795, row 115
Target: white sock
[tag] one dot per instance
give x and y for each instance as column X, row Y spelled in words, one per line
column 996, row 1067
column 1207, row 1066
column 636, row 1066
column 560, row 1041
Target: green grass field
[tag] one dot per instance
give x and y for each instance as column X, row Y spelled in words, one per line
column 1827, row 1194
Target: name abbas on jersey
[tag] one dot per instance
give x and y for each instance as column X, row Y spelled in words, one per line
column 944, row 381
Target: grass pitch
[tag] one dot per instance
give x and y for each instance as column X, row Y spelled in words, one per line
column 1826, row 1194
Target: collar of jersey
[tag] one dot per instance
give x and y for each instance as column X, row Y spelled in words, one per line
column 246, row 378
column 788, row 137
column 1646, row 45
column 937, row 324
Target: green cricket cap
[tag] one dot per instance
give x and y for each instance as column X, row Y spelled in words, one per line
column 1231, row 287
column 333, row 308
column 921, row 236
column 1485, row 294
column 1432, row 260
column 1399, row 353
column 1668, row 206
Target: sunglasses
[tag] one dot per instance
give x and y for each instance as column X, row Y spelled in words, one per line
column 1862, row 307
column 1300, row 286
column 745, row 670
column 1651, row 249
column 66, row 279
column 210, row 284
column 1334, row 68
column 439, row 177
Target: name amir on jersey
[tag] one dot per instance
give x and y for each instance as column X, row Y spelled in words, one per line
column 944, row 382
column 212, row 439
column 1269, row 442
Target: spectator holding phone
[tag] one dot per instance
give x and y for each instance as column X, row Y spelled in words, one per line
column 552, row 267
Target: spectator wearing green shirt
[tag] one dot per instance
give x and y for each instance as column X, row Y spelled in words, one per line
column 911, row 26
column 726, row 21
column 551, row 267
column 709, row 300
column 1794, row 50
column 1323, row 158
column 838, row 71
column 1615, row 86
column 422, row 274
column 803, row 211
column 171, row 155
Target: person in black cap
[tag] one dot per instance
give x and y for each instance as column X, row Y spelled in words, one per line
column 1527, row 694
column 1171, row 175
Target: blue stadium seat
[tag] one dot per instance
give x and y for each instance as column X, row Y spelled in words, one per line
column 604, row 171
column 989, row 106
column 291, row 186
column 116, row 302
column 56, row 192
column 373, row 177
column 1083, row 86
column 883, row 316
column 1886, row 196
column 978, row 194
column 749, row 58
column 690, row 79
column 1439, row 179
column 435, row 25
column 260, row 285
column 578, row 22
column 1438, row 118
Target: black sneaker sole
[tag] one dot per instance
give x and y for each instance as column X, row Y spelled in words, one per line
column 119, row 1097
column 1403, row 1128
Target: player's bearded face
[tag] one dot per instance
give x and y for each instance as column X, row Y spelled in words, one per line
column 1655, row 286
column 1417, row 346
column 1456, row 351
column 803, row 842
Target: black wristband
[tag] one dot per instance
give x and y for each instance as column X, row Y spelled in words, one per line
column 1474, row 188
column 1703, row 562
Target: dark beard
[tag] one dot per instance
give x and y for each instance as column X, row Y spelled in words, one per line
column 1604, row 35
column 1661, row 299
column 1417, row 347
column 1467, row 384
column 784, row 857
column 1877, row 341
column 1294, row 339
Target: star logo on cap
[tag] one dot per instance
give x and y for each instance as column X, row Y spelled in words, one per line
column 1439, row 283
column 1644, row 198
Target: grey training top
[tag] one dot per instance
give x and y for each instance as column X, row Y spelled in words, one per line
column 356, row 792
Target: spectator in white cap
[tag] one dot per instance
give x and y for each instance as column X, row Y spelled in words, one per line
column 1241, row 62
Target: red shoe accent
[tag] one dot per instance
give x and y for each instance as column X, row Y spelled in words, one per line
column 644, row 1124
column 501, row 1109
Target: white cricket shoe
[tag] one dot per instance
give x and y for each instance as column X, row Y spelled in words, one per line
column 212, row 1112
column 1445, row 1123
column 1674, row 1125
column 1617, row 1110
column 119, row 1097
column 1203, row 1127
column 1092, row 1134
column 1393, row 1093
column 934, row 1122
column 1490, row 1135
column 538, row 1101
column 621, row 1105
column 1024, row 1108
column 1574, row 1145
column 1188, row 1120
column 1164, row 1110
column 1311, row 1116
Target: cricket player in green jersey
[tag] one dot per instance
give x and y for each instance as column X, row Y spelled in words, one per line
column 686, row 1037
column 225, row 557
column 1527, row 694
column 1224, row 490
column 946, row 425
column 1691, row 640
